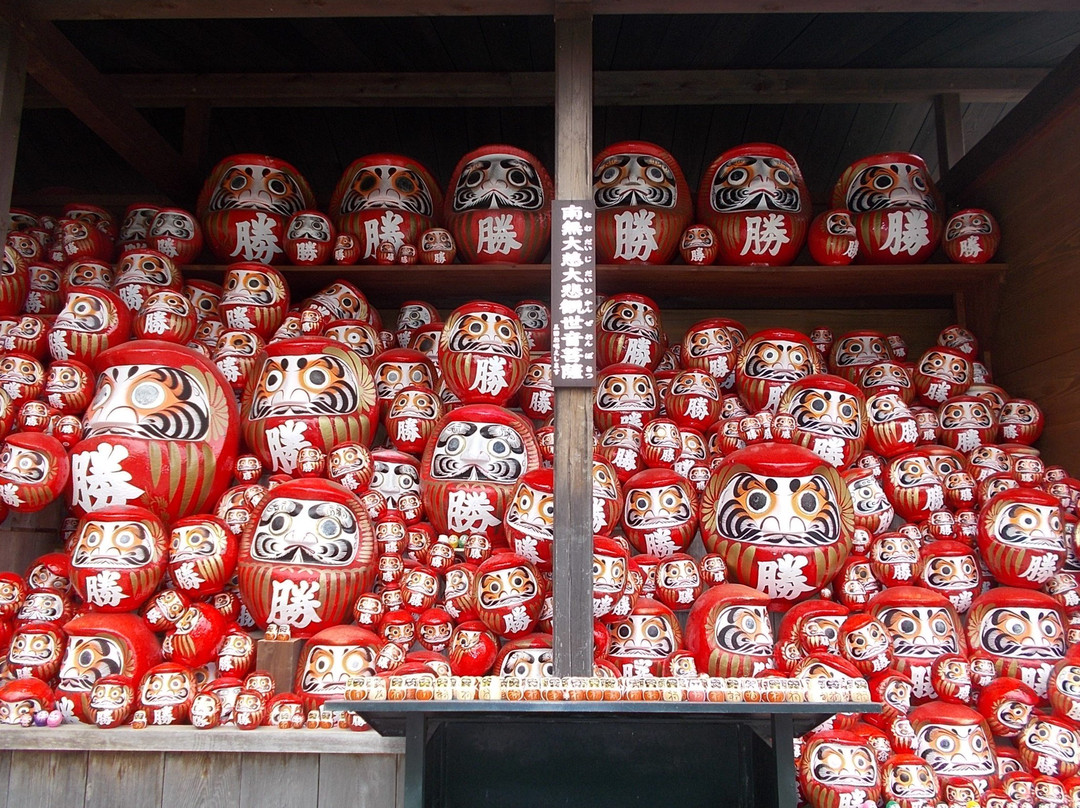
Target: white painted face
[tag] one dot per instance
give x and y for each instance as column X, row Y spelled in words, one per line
column 306, row 531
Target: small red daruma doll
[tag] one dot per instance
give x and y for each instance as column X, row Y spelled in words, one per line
column 202, row 555
column 645, row 639
column 768, row 362
column 1022, row 537
column 166, row 315
column 955, row 740
column 509, row 595
column 529, row 519
column 166, row 693
column 256, row 298
column 625, row 395
column 1020, row 421
column 660, row 512
column 245, row 203
column 756, row 200
column 118, row 557
column 838, row 768
column 34, row 469
column 483, row 353
column 643, row 204
column 91, row 320
column 910, row 782
column 498, row 206
column 896, row 209
column 628, row 331
column 832, row 239
column 699, row 246
column 536, row 320
column 972, row 236
column 309, row 238
column 176, row 233
column 112, row 701
column 830, row 417
column 411, row 418
column 1050, row 745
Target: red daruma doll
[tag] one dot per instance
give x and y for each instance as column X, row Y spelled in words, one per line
column 498, row 206
column 483, row 353
column 756, row 200
column 643, row 204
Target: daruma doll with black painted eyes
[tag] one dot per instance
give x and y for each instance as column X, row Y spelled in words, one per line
column 162, row 432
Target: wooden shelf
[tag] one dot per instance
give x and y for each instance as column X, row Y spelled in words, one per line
column 676, row 286
column 72, row 737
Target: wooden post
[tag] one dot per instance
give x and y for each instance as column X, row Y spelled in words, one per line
column 12, row 84
column 279, row 658
column 948, row 120
column 573, row 405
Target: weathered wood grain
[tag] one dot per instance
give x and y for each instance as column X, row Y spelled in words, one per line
column 369, row 781
column 275, row 781
column 50, row 778
column 123, row 778
column 201, row 780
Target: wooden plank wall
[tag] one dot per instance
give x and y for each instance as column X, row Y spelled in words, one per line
column 1034, row 192
column 193, row 780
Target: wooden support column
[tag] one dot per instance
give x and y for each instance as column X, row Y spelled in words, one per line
column 12, row 84
column 573, row 405
column 949, row 123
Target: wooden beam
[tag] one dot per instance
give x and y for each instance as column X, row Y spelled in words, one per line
column 949, row 123
column 244, row 9
column 611, row 88
column 1054, row 95
column 69, row 77
column 12, row 83
column 196, row 143
column 573, row 644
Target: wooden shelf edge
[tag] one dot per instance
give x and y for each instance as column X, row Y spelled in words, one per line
column 180, row 739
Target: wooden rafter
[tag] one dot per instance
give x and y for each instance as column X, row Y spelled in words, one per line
column 75, row 83
column 612, row 88
column 244, row 9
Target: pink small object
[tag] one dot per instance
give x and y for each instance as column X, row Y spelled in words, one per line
column 55, row 719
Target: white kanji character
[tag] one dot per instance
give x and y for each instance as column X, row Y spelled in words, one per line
column 602, row 606
column 635, row 236
column 698, row 408
column 659, row 542
column 938, row 391
column 58, row 345
column 99, row 480
column 831, row 450
column 541, row 401
column 9, row 494
column 852, row 249
column 1041, row 568
column 294, row 603
column 921, row 687
column 256, row 239
column 968, row 439
column 909, row 431
column 525, row 545
column 386, row 228
column 1010, row 431
column 783, row 579
column 962, row 601
column 186, row 576
column 167, row 245
column 765, row 235
column 33, row 303
column 237, row 317
column 132, row 297
column 102, row 589
column 408, row 429
column 516, row 620
column 624, row 459
column 470, row 512
column 163, row 716
column 284, row 443
column 718, row 367
column 496, row 235
column 306, row 251
column 637, row 352
column 907, row 231
column 970, row 247
column 230, row 368
column 935, row 498
column 156, row 323
column 490, row 375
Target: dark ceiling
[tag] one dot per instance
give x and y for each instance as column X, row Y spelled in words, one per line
column 57, row 151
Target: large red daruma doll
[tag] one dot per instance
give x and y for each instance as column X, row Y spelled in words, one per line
column 470, row 467
column 782, row 519
column 385, row 198
column 643, row 204
column 306, row 555
column 245, row 204
column 956, row 741
column 483, row 353
column 838, row 768
column 756, row 200
column 118, row 558
column 1022, row 630
column 162, row 432
column 308, row 391
column 769, row 361
column 498, row 206
column 895, row 206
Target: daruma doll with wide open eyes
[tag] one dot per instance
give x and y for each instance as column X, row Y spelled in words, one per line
column 1022, row 537
column 202, row 555
column 255, row 299
column 923, row 625
column 332, row 657
column 643, row 204
column 972, row 236
column 498, row 206
column 509, row 595
column 728, row 631
column 644, row 640
column 306, row 556
column 245, row 203
column 756, row 200
column 140, row 273
column 955, row 740
column 385, row 198
column 471, row 465
column 838, row 767
column 91, row 321
column 830, row 417
column 660, row 512
column 855, row 351
column 625, row 395
column 161, row 432
column 896, row 209
column 118, row 557
column 483, row 353
column 102, row 645
column 34, row 469
column 832, row 239
column 1023, row 630
column 308, row 391
column 712, row 346
column 771, row 360
column 782, row 519
column 529, row 520
column 910, row 782
column 628, row 331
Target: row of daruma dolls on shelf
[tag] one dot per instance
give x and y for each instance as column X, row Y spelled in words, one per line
column 752, row 208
